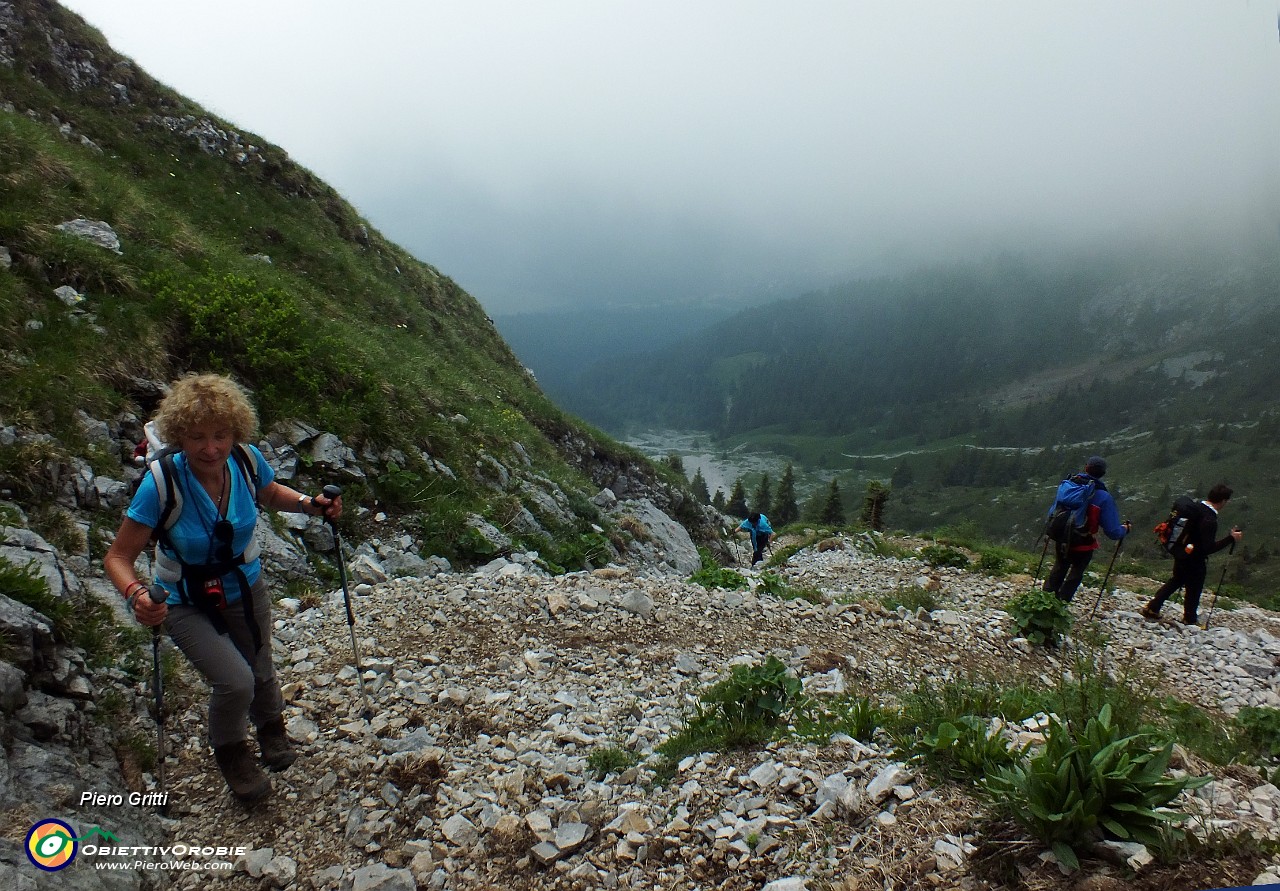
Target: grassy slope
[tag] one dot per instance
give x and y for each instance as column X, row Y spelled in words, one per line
column 342, row 328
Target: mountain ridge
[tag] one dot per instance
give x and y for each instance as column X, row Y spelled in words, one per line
column 231, row 257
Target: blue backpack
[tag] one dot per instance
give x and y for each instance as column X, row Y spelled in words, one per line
column 1069, row 516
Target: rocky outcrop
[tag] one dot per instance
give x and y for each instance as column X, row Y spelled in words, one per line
column 56, row 717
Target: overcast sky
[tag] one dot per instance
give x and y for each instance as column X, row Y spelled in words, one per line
column 553, row 152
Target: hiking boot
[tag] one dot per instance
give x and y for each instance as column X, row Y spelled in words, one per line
column 277, row 751
column 1151, row 615
column 247, row 781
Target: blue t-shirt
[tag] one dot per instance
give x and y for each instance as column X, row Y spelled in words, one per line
column 192, row 534
column 763, row 527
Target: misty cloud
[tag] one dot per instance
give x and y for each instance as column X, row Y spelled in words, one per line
column 569, row 151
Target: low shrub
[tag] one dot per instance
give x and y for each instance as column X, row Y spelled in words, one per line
column 610, row 759
column 774, row 584
column 998, row 561
column 84, row 622
column 944, row 555
column 1040, row 617
column 913, row 597
column 1260, row 729
column 933, row 703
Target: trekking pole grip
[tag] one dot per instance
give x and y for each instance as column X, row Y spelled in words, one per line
column 331, row 492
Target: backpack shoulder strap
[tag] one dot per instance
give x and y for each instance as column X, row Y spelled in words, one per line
column 248, row 468
column 165, row 473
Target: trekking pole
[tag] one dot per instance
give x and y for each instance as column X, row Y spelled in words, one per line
column 1035, row 579
column 1221, row 579
column 157, row 686
column 331, row 492
column 1102, row 590
column 1044, row 533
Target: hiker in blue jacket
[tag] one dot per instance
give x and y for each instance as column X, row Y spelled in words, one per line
column 206, row 587
column 757, row 525
column 1071, row 557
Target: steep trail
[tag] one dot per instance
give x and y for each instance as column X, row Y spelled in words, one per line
column 492, row 691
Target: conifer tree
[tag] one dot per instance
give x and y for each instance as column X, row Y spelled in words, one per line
column 717, row 500
column 873, row 505
column 786, row 510
column 833, row 509
column 762, row 501
column 699, row 485
column 737, row 506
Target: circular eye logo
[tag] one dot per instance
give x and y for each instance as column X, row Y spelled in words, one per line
column 51, row 845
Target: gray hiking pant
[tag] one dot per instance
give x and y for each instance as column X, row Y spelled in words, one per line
column 243, row 685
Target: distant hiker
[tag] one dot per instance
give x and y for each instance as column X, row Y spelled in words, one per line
column 1191, row 561
column 757, row 525
column 200, row 504
column 1080, row 508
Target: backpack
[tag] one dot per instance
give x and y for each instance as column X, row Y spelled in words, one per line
column 1069, row 516
column 1174, row 533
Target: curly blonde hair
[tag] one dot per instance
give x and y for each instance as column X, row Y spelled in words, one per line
column 196, row 399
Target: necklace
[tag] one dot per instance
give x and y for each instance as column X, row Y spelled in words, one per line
column 222, row 493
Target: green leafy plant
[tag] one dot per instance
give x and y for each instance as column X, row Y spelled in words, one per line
column 1260, row 728
column 1040, row 617
column 772, row 583
column 855, row 716
column 400, row 486
column 713, row 575
column 965, row 749
column 755, row 695
column 745, row 708
column 933, row 702
column 944, row 555
column 85, row 622
column 1096, row 783
column 586, row 551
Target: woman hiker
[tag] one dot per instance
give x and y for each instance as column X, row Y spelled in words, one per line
column 208, row 591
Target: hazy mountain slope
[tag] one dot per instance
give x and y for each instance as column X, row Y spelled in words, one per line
column 960, row 349
column 973, row 389
column 558, row 344
column 232, row 257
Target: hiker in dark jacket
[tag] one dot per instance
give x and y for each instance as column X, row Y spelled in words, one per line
column 1071, row 557
column 1192, row 565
